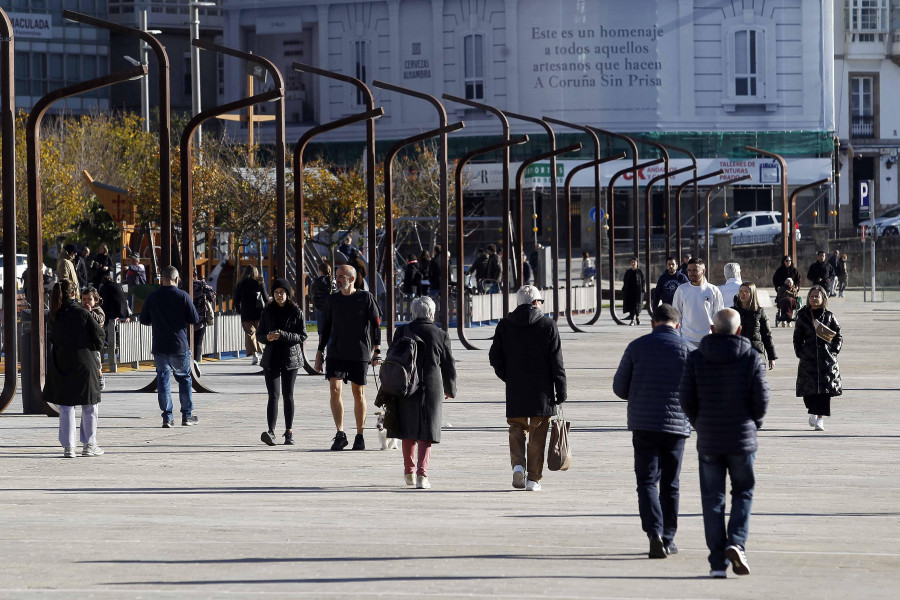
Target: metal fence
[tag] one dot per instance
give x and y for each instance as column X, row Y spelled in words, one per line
column 134, row 341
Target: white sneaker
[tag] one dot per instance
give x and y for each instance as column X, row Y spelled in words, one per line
column 533, row 486
column 717, row 574
column 102, row 383
column 422, row 483
column 812, row 420
column 519, row 477
column 92, row 450
column 410, row 478
column 68, row 452
column 820, row 424
column 255, row 359
column 197, row 366
column 738, row 559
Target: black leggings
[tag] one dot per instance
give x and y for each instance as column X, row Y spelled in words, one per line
column 287, row 377
column 198, row 343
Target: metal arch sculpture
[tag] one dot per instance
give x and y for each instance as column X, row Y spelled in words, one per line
column 299, row 217
column 797, row 192
column 460, row 235
column 506, row 201
column 611, row 207
column 695, row 181
column 8, row 149
column 443, row 180
column 709, row 192
column 371, row 209
column 568, row 188
column 786, row 222
column 598, row 236
column 389, row 220
column 35, row 228
column 520, row 173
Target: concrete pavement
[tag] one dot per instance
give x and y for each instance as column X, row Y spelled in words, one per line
column 209, row 511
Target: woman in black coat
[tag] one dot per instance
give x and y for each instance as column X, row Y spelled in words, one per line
column 101, row 264
column 282, row 331
column 419, row 418
column 755, row 322
column 250, row 298
column 72, row 375
column 633, row 292
column 818, row 374
column 785, row 271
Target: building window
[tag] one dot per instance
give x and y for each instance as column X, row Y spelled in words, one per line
column 360, row 67
column 749, row 65
column 862, row 107
column 866, row 20
column 473, row 66
column 746, row 63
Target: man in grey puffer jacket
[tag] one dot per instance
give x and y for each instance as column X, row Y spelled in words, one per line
column 725, row 395
column 648, row 377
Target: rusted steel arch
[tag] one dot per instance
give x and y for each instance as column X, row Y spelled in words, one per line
column 695, row 181
column 390, row 314
column 460, row 235
column 371, row 209
column 793, row 202
column 8, row 150
column 568, row 188
column 787, row 216
column 709, row 192
column 280, row 199
column 667, row 175
column 506, row 201
column 598, row 227
column 35, row 228
column 443, row 180
column 610, row 202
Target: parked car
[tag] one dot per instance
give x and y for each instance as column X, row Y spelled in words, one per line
column 21, row 265
column 888, row 223
column 752, row 227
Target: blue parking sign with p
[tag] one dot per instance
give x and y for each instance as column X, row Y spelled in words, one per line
column 865, row 198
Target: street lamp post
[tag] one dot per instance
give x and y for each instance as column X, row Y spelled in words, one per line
column 195, row 61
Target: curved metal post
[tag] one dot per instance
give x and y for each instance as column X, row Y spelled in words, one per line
column 443, row 181
column 635, row 190
column 647, row 262
column 793, row 201
column 787, row 218
column 371, row 209
column 35, row 228
column 165, row 148
column 299, row 217
column 598, row 239
column 611, row 206
column 461, row 235
column 568, row 192
column 709, row 192
column 505, row 200
column 280, row 199
column 678, row 208
column 8, row 150
column 389, row 312
column 681, row 187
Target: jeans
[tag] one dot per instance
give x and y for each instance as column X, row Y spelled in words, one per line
column 180, row 366
column 657, row 461
column 536, row 430
column 712, row 494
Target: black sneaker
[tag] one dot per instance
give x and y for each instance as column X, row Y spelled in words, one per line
column 358, row 442
column 268, row 437
column 288, row 438
column 657, row 550
column 185, row 421
column 340, row 441
column 167, row 424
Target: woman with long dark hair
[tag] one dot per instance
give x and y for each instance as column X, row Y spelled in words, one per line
column 282, row 331
column 250, row 298
column 817, row 342
column 72, row 375
column 755, row 322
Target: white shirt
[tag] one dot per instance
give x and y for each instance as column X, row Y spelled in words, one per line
column 729, row 290
column 697, row 304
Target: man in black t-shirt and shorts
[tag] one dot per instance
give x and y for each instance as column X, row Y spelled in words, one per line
column 351, row 331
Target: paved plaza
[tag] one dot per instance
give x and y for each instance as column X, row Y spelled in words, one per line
column 211, row 512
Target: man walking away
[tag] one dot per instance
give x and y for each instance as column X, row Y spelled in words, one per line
column 527, row 355
column 170, row 311
column 667, row 283
column 725, row 395
column 732, row 284
column 696, row 302
column 648, row 377
column 351, row 331
column 834, row 260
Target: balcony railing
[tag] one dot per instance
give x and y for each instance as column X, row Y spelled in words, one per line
column 862, row 126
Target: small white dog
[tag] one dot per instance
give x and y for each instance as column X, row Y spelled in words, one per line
column 386, row 442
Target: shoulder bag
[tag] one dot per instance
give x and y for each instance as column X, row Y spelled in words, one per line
column 559, row 456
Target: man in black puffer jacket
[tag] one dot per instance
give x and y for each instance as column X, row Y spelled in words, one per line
column 725, row 395
column 527, row 355
column 648, row 377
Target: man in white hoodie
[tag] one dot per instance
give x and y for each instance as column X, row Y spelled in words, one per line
column 697, row 302
column 732, row 284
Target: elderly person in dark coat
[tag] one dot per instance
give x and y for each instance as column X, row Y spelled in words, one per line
column 785, row 271
column 725, row 396
column 420, row 415
column 817, row 342
column 527, row 355
column 633, row 292
column 72, row 375
column 648, row 377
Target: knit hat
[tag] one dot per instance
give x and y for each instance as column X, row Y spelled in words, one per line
column 281, row 282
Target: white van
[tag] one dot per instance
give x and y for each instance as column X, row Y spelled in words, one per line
column 21, row 265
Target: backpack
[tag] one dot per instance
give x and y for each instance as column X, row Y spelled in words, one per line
column 322, row 287
column 399, row 373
